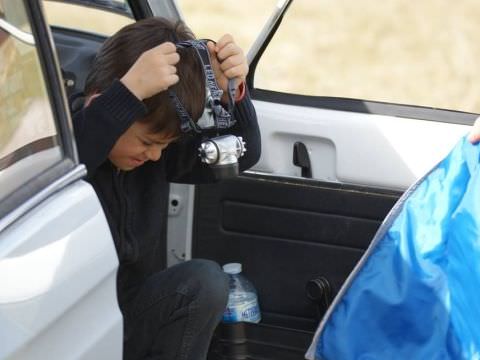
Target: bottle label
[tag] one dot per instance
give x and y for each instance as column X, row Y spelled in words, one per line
column 247, row 311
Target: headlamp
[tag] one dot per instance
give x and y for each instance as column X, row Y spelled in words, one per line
column 219, row 152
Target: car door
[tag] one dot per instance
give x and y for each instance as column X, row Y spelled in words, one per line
column 355, row 101
column 57, row 259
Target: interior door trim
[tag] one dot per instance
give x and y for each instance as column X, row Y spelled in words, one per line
column 366, row 107
column 265, row 176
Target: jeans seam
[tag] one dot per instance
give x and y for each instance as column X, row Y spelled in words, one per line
column 189, row 331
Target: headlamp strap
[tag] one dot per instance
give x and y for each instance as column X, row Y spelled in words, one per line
column 223, row 118
column 186, row 122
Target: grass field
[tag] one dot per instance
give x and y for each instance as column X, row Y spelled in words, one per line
column 412, row 52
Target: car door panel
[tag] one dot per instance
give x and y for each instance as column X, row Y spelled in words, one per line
column 58, row 278
column 272, row 219
column 286, row 234
column 343, row 145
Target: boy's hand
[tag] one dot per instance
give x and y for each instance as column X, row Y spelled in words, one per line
column 228, row 62
column 153, row 72
column 474, row 136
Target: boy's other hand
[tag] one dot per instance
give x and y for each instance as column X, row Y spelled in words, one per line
column 153, row 72
column 474, row 136
column 228, row 62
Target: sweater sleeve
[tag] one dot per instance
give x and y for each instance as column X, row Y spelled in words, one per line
column 184, row 165
column 98, row 126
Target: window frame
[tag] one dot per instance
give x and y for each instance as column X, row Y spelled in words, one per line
column 114, row 10
column 68, row 169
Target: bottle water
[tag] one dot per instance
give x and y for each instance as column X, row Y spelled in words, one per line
column 242, row 298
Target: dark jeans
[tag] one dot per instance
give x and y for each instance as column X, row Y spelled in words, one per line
column 175, row 312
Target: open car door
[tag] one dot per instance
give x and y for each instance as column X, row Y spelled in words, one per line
column 335, row 157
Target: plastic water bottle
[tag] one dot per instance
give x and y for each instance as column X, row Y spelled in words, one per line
column 242, row 298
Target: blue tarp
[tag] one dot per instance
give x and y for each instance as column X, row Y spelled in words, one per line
column 415, row 294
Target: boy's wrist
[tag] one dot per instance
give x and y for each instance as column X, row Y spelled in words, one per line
column 239, row 94
column 131, row 85
column 241, row 91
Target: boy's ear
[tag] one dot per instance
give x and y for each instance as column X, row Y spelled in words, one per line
column 90, row 98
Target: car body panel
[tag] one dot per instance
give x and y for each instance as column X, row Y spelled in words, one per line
column 58, row 280
column 58, row 262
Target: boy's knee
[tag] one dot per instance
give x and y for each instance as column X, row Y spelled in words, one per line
column 211, row 284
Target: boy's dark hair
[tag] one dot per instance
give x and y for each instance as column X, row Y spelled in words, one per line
column 120, row 52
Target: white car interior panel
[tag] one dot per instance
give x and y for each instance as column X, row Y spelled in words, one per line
column 355, row 148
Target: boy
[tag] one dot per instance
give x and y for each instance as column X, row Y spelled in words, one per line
column 128, row 135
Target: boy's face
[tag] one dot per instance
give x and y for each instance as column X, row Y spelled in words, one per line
column 138, row 145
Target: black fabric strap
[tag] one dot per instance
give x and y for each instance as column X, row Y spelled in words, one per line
column 223, row 119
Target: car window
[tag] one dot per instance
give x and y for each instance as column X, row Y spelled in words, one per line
column 213, row 18
column 104, row 17
column 29, row 141
column 405, row 52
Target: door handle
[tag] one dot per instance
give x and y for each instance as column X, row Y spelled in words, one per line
column 302, row 159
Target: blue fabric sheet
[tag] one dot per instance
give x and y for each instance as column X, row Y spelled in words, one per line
column 416, row 292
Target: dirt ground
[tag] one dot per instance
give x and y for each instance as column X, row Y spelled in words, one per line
column 411, row 52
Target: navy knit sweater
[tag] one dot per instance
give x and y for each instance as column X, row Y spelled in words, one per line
column 135, row 202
